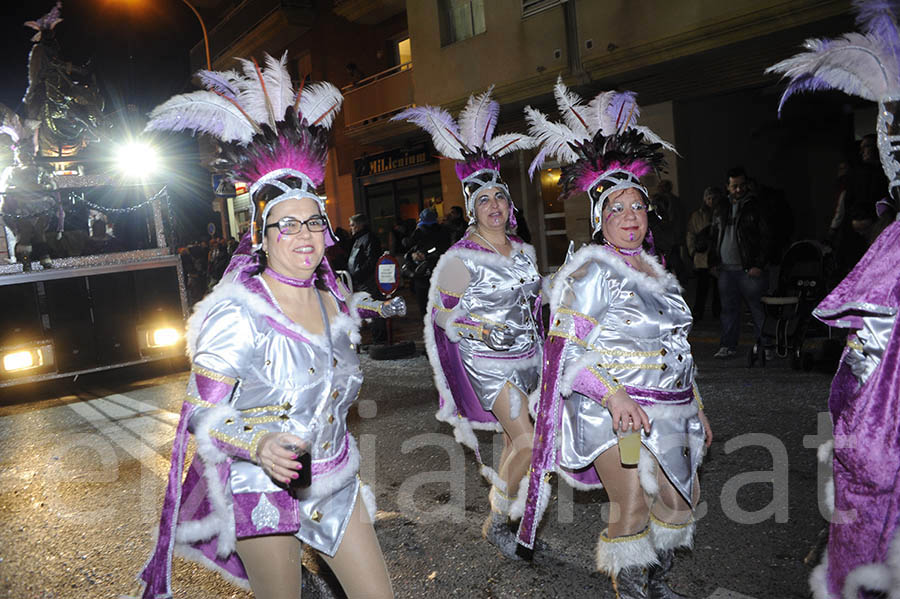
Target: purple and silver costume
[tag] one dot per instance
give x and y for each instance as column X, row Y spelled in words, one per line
column 863, row 544
column 254, row 371
column 613, row 327
column 470, row 375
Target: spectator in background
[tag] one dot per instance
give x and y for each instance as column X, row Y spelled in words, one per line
column 698, row 241
column 455, row 224
column 742, row 245
column 867, row 185
column 427, row 243
column 365, row 250
column 338, row 253
column 666, row 227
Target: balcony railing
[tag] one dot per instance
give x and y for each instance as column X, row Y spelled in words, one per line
column 379, row 96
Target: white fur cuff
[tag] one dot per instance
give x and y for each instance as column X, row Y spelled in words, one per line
column 667, row 536
column 619, row 553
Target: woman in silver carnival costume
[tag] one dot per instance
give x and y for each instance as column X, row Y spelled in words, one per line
column 273, row 365
column 617, row 358
column 483, row 331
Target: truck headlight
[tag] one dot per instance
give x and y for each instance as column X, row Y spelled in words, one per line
column 164, row 337
column 27, row 358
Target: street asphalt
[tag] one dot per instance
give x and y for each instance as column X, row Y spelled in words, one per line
column 83, row 464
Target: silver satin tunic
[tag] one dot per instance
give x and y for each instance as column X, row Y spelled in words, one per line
column 287, row 385
column 502, row 291
column 639, row 339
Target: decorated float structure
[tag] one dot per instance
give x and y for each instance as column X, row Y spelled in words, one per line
column 89, row 276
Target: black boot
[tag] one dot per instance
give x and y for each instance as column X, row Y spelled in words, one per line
column 656, row 579
column 631, row 583
column 496, row 531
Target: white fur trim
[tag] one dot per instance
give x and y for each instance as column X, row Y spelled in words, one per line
column 883, row 577
column 575, row 483
column 368, row 497
column 647, row 473
column 236, row 293
column 194, row 555
column 872, row 577
column 499, row 503
column 220, row 521
column 517, row 509
column 596, row 253
column 206, row 447
column 534, row 400
column 825, row 452
column 818, row 580
column 492, row 477
column 672, row 536
column 624, row 552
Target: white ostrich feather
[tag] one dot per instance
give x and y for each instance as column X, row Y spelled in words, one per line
column 278, row 84
column 571, row 107
column 603, row 118
column 205, row 112
column 478, row 119
column 320, row 100
column 509, row 142
column 855, row 64
column 653, row 138
column 555, row 138
column 250, row 94
column 438, row 123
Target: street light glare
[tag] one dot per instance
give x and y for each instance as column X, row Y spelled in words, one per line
column 136, row 159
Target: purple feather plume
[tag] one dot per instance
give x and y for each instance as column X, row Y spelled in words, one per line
column 464, row 169
column 537, row 162
column 879, row 18
column 216, row 81
column 805, row 83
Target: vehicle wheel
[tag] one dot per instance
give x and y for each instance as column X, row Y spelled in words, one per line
column 397, row 351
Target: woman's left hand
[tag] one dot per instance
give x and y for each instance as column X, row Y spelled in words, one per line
column 705, row 422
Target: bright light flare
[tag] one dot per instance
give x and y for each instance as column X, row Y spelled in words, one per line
column 20, row 360
column 164, row 337
column 136, row 160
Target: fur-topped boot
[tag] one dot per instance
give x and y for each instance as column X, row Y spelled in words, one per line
column 666, row 539
column 627, row 561
column 496, row 528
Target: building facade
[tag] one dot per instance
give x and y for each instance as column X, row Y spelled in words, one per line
column 696, row 65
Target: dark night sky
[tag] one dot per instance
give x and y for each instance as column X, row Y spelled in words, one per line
column 138, row 49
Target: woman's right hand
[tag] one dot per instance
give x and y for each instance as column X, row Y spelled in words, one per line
column 277, row 455
column 626, row 413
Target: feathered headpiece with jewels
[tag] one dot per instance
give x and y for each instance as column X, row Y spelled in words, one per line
column 472, row 144
column 273, row 137
column 860, row 64
column 600, row 147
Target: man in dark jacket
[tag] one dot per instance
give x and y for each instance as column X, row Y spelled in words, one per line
column 364, row 253
column 740, row 254
column 426, row 244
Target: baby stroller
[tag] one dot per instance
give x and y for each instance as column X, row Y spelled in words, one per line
column 802, row 284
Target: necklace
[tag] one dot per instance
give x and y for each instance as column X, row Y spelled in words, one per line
column 623, row 251
column 491, row 245
column 290, row 280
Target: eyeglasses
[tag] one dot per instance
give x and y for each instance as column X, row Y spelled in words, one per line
column 615, row 207
column 292, row 226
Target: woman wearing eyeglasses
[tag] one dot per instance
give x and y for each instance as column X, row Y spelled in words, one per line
column 274, row 373
column 618, row 406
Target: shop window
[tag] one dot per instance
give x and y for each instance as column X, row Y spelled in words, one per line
column 555, row 232
column 400, row 201
column 460, row 19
